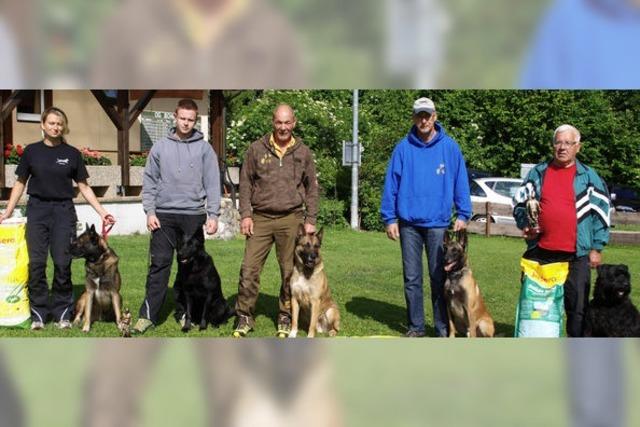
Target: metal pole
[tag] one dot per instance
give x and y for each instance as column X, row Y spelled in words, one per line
column 354, row 168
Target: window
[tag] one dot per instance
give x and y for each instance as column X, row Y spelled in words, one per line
column 506, row 188
column 32, row 104
column 476, row 190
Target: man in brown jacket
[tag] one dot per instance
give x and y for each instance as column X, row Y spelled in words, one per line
column 278, row 191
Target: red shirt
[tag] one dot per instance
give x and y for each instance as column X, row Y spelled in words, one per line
column 558, row 210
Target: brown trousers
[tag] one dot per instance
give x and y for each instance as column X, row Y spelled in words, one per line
column 266, row 231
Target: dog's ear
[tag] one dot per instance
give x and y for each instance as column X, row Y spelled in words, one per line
column 319, row 234
column 93, row 228
column 447, row 237
column 461, row 237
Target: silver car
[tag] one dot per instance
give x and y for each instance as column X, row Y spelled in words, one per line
column 497, row 191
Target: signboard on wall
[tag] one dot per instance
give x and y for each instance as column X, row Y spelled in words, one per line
column 156, row 124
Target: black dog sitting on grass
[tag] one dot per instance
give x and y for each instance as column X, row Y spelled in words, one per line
column 611, row 313
column 197, row 287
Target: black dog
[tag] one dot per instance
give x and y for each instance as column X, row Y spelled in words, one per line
column 197, row 286
column 611, row 313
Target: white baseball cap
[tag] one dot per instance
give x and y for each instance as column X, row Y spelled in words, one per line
column 424, row 104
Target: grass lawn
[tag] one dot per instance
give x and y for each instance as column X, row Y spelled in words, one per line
column 365, row 275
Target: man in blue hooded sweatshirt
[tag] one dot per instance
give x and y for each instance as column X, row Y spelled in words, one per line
column 180, row 194
column 426, row 176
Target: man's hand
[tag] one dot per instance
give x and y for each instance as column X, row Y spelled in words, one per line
column 153, row 223
column 246, row 226
column 595, row 258
column 309, row 228
column 459, row 225
column 393, row 232
column 107, row 218
column 530, row 233
column 211, row 226
column 6, row 214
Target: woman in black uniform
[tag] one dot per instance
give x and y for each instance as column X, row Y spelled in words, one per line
column 50, row 166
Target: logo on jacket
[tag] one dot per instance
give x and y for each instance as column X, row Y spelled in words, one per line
column 440, row 170
column 63, row 162
column 266, row 159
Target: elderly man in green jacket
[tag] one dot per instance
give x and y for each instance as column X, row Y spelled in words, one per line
column 574, row 220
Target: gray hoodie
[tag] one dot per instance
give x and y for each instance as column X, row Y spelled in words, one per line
column 180, row 175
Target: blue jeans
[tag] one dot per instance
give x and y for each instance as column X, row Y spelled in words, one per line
column 412, row 240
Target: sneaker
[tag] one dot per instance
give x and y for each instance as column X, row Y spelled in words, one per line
column 64, row 324
column 415, row 334
column 142, row 325
column 243, row 327
column 183, row 320
column 284, row 327
column 37, row 326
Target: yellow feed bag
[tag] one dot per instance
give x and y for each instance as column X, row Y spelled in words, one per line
column 14, row 273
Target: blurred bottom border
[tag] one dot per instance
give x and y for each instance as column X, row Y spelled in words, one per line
column 350, row 382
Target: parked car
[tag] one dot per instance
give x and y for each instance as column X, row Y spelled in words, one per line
column 494, row 190
column 625, row 199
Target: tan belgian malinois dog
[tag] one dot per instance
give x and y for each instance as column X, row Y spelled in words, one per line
column 465, row 306
column 310, row 292
column 101, row 299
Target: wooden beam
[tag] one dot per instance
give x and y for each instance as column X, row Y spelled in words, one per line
column 122, row 105
column 108, row 108
column 143, row 101
column 216, row 123
column 487, row 216
column 10, row 103
column 164, row 93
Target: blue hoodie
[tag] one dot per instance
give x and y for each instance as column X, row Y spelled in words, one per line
column 424, row 181
column 585, row 44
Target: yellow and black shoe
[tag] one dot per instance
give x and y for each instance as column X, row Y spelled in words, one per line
column 284, row 327
column 243, row 327
column 142, row 326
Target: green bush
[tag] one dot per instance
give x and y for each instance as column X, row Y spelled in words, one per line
column 496, row 130
column 331, row 213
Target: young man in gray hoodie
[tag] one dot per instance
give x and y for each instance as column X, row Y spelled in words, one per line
column 180, row 194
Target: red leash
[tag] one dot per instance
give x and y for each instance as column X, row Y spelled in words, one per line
column 106, row 228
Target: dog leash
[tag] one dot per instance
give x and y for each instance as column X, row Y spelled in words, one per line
column 106, row 228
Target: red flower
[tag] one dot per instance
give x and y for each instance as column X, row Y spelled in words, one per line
column 7, row 153
column 19, row 150
column 8, row 146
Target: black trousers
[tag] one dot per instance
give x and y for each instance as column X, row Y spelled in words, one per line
column 162, row 247
column 577, row 287
column 50, row 227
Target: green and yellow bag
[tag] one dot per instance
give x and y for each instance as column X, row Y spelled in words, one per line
column 541, row 305
column 14, row 273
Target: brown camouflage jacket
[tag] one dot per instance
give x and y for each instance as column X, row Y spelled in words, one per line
column 276, row 187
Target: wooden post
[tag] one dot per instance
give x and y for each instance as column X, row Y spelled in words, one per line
column 216, row 124
column 122, row 107
column 8, row 101
column 487, row 215
column 123, row 118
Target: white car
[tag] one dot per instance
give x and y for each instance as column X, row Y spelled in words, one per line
column 494, row 190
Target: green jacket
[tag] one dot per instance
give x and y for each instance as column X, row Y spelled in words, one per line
column 592, row 206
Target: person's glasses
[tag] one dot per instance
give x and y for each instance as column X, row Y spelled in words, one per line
column 567, row 144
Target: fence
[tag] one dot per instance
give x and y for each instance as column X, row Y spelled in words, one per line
column 490, row 228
